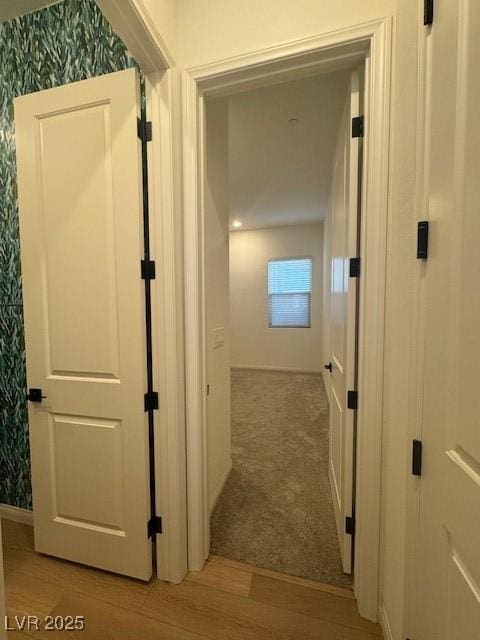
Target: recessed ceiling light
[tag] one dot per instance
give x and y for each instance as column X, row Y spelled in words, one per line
column 237, row 224
column 293, row 121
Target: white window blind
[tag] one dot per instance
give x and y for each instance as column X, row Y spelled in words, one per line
column 289, row 292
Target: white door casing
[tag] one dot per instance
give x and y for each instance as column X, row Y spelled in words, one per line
column 373, row 43
column 343, row 317
column 448, row 602
column 79, row 180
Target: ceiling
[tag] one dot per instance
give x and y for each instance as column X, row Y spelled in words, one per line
column 12, row 8
column 280, row 171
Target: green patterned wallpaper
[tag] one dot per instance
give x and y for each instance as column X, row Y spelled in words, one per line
column 63, row 43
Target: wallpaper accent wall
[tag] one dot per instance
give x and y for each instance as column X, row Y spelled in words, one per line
column 63, row 43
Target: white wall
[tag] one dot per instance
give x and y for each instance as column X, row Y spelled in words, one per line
column 217, row 309
column 164, row 15
column 215, row 29
column 253, row 342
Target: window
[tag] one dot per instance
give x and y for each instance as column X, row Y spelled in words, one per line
column 289, row 292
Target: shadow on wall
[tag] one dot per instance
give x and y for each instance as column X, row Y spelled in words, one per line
column 63, row 43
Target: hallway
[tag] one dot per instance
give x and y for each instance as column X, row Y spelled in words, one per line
column 276, row 510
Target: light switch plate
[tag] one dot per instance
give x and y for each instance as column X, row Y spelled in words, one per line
column 218, row 337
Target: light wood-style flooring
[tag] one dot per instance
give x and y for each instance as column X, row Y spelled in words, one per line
column 225, row 601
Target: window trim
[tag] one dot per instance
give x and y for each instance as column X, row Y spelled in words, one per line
column 309, row 293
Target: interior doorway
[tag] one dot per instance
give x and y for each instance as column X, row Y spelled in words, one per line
column 363, row 45
column 280, row 165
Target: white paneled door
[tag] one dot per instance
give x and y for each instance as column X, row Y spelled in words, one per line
column 79, row 179
column 448, row 603
column 343, row 301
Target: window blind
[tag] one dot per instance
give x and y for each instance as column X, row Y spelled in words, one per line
column 289, row 292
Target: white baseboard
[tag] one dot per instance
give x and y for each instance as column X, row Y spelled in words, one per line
column 384, row 623
column 266, row 368
column 16, row 514
column 219, row 488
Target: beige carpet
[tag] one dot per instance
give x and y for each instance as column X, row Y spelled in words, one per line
column 276, row 509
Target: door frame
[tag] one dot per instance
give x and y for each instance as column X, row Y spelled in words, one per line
column 132, row 23
column 371, row 44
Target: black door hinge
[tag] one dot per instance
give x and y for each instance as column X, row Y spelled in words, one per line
column 350, row 525
column 154, row 526
column 428, row 12
column 151, row 401
column 148, row 270
column 144, row 130
column 352, row 400
column 354, row 269
column 417, row 451
column 422, row 240
column 357, row 127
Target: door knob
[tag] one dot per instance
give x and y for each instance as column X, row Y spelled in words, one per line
column 328, row 367
column 35, row 395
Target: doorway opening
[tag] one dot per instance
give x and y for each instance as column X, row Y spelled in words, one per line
column 280, row 208
column 366, row 46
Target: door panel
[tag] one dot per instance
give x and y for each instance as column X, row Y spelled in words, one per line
column 343, row 297
column 72, row 182
column 79, row 176
column 449, row 552
column 463, row 610
column 336, row 422
column 87, row 498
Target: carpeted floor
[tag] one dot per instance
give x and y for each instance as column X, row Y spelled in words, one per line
column 276, row 509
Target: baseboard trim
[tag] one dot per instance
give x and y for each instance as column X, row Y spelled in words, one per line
column 384, row 623
column 267, row 368
column 16, row 514
column 218, row 491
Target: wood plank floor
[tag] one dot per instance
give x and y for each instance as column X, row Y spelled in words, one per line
column 225, row 601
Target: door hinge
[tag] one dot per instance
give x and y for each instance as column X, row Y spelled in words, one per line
column 357, row 127
column 154, row 526
column 350, row 525
column 151, row 401
column 148, row 270
column 422, row 240
column 428, row 10
column 354, row 269
column 417, row 454
column 144, row 130
column 352, row 400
